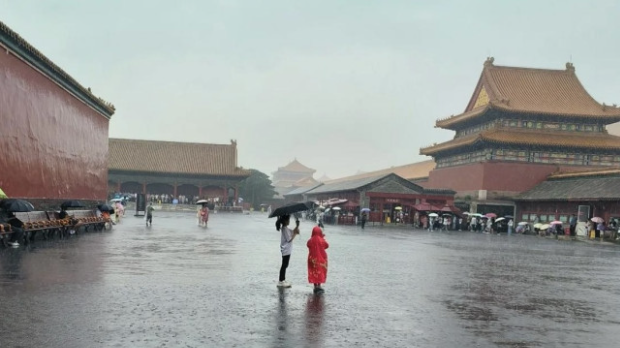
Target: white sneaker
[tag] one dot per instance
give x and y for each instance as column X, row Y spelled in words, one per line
column 15, row 244
column 284, row 284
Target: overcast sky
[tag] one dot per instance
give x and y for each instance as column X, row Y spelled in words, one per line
column 342, row 86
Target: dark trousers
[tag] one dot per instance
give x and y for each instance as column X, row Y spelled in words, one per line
column 149, row 219
column 363, row 223
column 285, row 260
column 572, row 230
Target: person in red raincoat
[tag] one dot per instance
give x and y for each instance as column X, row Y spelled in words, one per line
column 317, row 259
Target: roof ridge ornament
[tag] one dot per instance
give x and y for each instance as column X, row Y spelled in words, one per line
column 489, row 61
column 570, row 67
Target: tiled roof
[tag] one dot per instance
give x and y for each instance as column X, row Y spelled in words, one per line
column 324, row 178
column 408, row 171
column 530, row 137
column 584, row 188
column 395, row 184
column 174, row 157
column 302, row 190
column 536, row 91
column 33, row 56
column 585, row 173
column 346, row 185
column 295, row 166
column 307, row 181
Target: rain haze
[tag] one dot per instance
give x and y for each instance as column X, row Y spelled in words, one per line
column 343, row 86
column 123, row 225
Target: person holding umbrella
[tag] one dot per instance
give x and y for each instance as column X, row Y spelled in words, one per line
column 286, row 246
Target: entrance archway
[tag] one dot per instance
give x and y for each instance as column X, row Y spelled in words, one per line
column 131, row 187
column 159, row 189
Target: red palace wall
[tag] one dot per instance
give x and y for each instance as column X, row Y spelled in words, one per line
column 492, row 176
column 53, row 146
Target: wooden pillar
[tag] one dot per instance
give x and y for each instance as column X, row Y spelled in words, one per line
column 144, row 188
column 236, row 195
column 225, row 196
column 200, row 192
column 175, row 190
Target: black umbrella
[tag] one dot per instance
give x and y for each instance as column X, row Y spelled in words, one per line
column 292, row 208
column 105, row 207
column 71, row 204
column 16, row 205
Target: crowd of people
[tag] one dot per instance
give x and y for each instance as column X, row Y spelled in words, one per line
column 165, row 198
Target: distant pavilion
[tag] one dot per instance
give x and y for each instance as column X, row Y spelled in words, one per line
column 520, row 126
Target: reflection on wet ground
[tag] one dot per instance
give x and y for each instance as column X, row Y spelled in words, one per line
column 177, row 285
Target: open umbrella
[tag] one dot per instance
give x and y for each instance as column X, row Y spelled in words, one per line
column 203, row 201
column 523, row 223
column 490, row 215
column 398, row 208
column 538, row 225
column 16, row 205
column 365, row 210
column 114, row 200
column 336, row 208
column 597, row 219
column 105, row 207
column 509, row 216
column 292, row 208
column 555, row 223
column 433, row 215
column 500, row 219
column 545, row 227
column 2, row 194
column 71, row 204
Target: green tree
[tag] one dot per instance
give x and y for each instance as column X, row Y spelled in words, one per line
column 256, row 189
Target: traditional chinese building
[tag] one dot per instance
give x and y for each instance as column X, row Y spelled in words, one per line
column 521, row 125
column 383, row 194
column 201, row 170
column 54, row 133
column 292, row 176
column 586, row 194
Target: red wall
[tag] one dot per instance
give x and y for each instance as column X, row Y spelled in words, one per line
column 53, row 146
column 493, row 176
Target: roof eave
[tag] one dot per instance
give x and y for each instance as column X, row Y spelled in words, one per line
column 134, row 171
column 11, row 41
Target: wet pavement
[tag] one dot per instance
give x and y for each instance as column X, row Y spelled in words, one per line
column 177, row 285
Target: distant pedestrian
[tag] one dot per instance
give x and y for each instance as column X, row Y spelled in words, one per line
column 149, row 214
column 600, row 230
column 363, row 220
column 573, row 224
column 510, row 224
column 286, row 246
column 317, row 259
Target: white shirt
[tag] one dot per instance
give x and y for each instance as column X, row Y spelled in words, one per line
column 286, row 245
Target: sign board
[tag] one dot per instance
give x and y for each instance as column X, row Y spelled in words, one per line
column 140, row 204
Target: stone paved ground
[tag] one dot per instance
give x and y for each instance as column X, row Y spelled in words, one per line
column 176, row 285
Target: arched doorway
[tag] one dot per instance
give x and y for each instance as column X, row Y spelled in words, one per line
column 212, row 192
column 187, row 190
column 187, row 193
column 131, row 187
column 159, row 189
